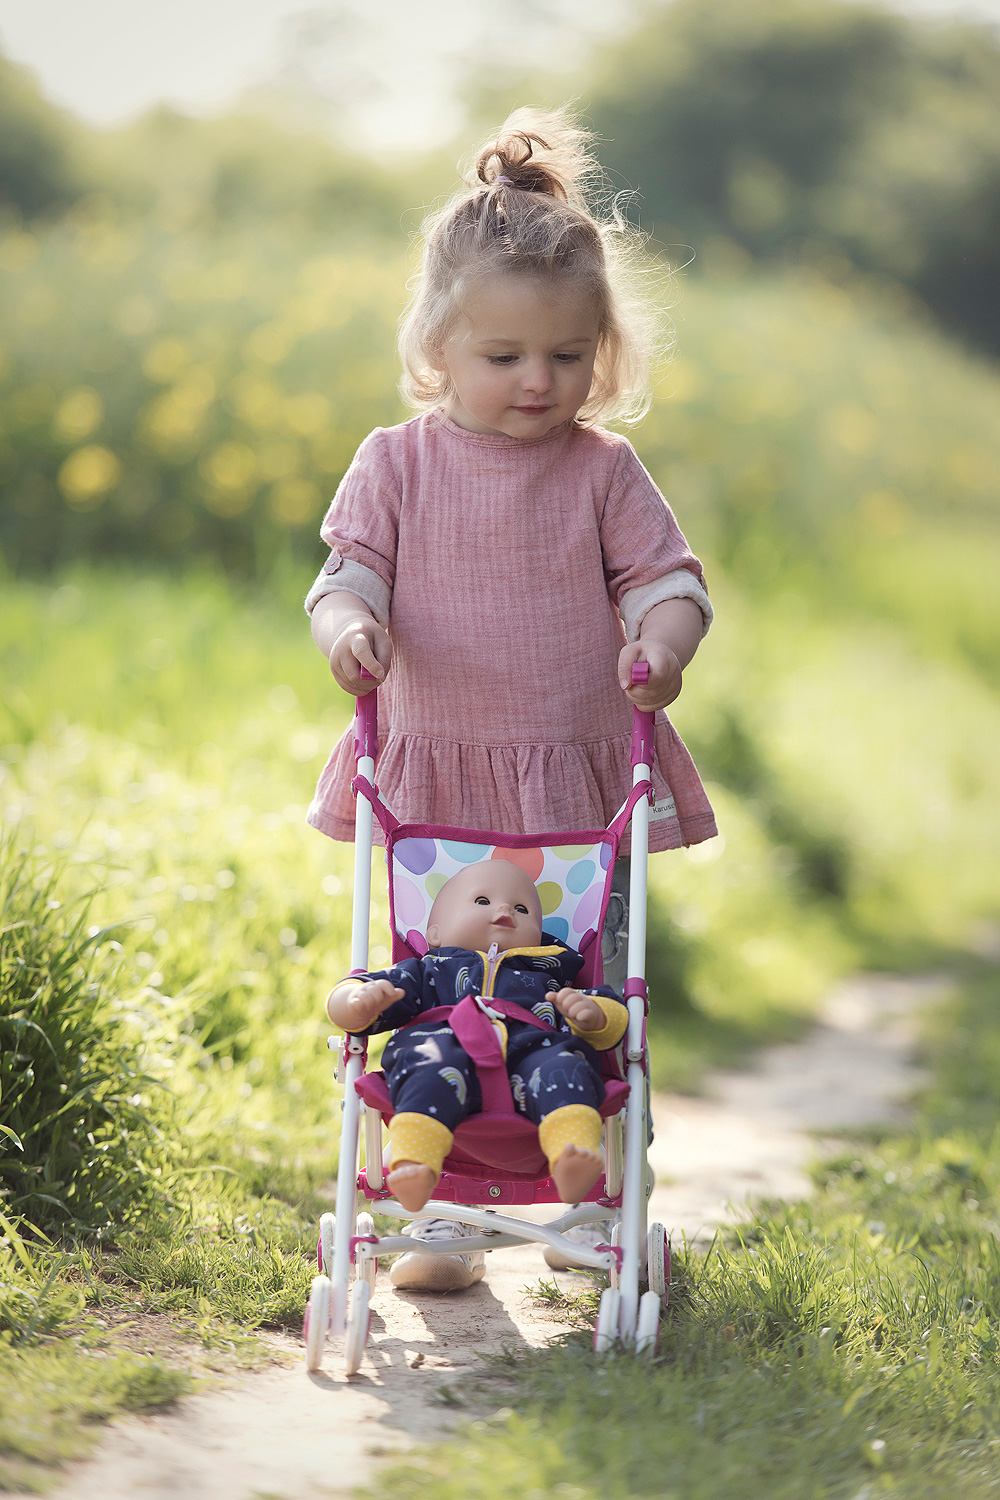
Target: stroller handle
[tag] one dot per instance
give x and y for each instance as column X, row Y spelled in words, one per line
column 642, row 723
column 366, row 721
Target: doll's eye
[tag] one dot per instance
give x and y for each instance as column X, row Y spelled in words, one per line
column 521, row 908
column 482, row 900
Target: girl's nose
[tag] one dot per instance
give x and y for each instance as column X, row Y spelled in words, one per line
column 537, row 376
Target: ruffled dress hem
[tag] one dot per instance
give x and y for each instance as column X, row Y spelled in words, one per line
column 533, row 789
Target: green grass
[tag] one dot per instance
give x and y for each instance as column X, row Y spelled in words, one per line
column 81, row 1121
column 58, row 1375
column 51, row 1399
column 169, row 1124
column 160, row 737
column 843, row 1347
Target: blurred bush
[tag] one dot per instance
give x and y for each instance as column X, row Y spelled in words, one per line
column 178, row 394
column 820, row 443
column 811, row 126
column 246, row 168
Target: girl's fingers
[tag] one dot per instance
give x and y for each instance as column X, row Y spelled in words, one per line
column 362, row 652
column 627, row 658
column 382, row 647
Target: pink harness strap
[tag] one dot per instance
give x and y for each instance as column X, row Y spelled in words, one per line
column 480, row 1040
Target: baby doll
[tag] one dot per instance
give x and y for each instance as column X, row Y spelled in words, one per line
column 484, row 938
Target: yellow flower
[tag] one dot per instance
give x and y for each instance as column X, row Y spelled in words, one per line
column 231, row 474
column 80, row 413
column 295, row 501
column 87, row 475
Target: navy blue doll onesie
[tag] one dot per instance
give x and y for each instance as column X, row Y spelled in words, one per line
column 427, row 1070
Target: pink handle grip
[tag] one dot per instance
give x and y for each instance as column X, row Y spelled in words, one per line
column 366, row 720
column 642, row 723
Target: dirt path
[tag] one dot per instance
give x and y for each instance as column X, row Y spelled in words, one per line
column 283, row 1435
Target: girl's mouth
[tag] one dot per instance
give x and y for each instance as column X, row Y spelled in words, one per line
column 532, row 411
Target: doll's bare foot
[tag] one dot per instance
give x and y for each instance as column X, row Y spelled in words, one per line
column 576, row 1172
column 412, row 1183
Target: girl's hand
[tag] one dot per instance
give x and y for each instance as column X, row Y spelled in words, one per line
column 354, row 1007
column 362, row 643
column 582, row 1010
column 665, row 674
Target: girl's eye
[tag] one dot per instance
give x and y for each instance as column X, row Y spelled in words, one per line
column 501, row 359
column 568, row 358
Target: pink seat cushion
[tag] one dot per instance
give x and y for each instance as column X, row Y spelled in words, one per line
column 507, row 1143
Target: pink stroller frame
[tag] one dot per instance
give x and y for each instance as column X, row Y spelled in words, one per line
column 496, row 1158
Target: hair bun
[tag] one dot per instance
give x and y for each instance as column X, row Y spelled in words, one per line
column 538, row 151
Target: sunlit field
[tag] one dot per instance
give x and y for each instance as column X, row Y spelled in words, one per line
column 177, row 410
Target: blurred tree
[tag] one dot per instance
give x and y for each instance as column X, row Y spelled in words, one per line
column 240, row 168
column 38, row 170
column 776, row 123
column 729, row 114
column 244, row 168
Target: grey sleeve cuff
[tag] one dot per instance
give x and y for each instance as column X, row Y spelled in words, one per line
column 635, row 604
column 353, row 578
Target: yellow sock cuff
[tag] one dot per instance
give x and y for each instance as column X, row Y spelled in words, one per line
column 573, row 1125
column 419, row 1138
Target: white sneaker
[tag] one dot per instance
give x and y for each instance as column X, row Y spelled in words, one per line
column 414, row 1272
column 597, row 1232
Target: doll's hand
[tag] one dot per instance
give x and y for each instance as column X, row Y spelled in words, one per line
column 582, row 1010
column 355, row 1006
column 363, row 643
column 665, row 675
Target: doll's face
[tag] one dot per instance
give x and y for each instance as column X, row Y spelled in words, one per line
column 495, row 902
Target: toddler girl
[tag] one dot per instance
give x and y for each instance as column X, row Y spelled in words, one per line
column 485, row 938
column 507, row 556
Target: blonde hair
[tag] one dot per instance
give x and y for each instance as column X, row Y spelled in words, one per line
column 525, row 210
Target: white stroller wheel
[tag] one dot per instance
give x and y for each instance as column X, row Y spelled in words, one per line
column 606, row 1327
column 647, row 1329
column 357, row 1328
column 366, row 1262
column 327, row 1230
column 614, row 1275
column 658, row 1260
column 317, row 1321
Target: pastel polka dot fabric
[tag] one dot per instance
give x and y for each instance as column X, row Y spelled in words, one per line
column 570, row 879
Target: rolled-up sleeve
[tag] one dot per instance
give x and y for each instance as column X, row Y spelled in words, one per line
column 340, row 575
column 361, row 529
column 646, row 556
column 635, row 604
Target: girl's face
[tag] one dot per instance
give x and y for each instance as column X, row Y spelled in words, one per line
column 520, row 356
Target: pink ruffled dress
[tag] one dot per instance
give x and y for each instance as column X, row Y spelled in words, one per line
column 502, row 564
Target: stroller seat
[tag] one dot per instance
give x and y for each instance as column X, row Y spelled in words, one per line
column 492, row 1143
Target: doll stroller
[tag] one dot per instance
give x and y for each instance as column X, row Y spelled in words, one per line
column 496, row 1160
